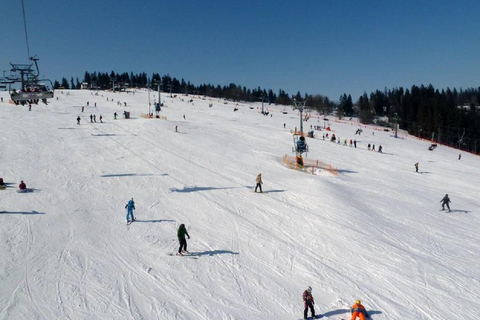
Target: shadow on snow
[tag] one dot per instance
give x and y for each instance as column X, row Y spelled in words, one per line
column 104, row 134
column 195, row 189
column 212, row 253
column 158, row 221
column 21, row 212
column 346, row 171
column 342, row 311
column 130, row 175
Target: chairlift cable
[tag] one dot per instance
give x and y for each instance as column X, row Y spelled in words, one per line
column 25, row 25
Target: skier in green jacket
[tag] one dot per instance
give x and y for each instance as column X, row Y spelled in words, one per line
column 181, row 233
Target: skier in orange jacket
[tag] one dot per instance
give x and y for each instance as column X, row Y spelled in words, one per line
column 358, row 311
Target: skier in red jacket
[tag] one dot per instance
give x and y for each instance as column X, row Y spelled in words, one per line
column 22, row 185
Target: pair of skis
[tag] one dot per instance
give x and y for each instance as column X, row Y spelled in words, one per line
column 188, row 255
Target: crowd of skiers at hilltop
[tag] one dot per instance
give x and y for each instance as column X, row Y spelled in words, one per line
column 357, row 310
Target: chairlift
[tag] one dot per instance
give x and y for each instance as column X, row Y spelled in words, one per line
column 32, row 88
column 299, row 144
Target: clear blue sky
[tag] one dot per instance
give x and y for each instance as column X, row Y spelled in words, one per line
column 319, row 47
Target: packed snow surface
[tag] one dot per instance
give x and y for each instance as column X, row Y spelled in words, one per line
column 372, row 232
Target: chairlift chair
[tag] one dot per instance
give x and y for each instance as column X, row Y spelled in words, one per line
column 299, row 148
column 32, row 89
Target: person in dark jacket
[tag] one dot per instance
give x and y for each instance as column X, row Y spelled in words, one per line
column 308, row 302
column 445, row 202
column 181, row 233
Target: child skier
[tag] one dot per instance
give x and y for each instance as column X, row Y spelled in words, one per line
column 358, row 311
column 445, row 202
column 308, row 302
column 181, row 233
column 130, row 206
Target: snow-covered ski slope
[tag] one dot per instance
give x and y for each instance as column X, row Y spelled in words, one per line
column 373, row 232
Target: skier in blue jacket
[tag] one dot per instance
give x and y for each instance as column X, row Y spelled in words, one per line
column 130, row 206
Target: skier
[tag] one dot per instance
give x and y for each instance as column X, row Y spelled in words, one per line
column 101, row 119
column 130, row 206
column 259, row 182
column 78, row 120
column 22, row 185
column 380, row 149
column 416, row 167
column 358, row 311
column 308, row 302
column 459, row 156
column 181, row 233
column 115, row 116
column 445, row 202
column 91, row 117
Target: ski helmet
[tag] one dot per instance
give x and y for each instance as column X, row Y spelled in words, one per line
column 358, row 302
column 309, row 289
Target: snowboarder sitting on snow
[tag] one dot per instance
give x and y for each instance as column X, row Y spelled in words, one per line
column 308, row 302
column 301, row 145
column 130, row 206
column 259, row 182
column 358, row 311
column 181, row 233
column 22, row 185
column 446, row 201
